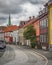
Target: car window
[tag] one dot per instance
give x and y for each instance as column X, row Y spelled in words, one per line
column 1, row 42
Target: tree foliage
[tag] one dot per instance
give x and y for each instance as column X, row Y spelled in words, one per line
column 30, row 33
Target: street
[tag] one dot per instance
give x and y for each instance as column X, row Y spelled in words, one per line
column 2, row 52
column 14, row 55
column 25, row 32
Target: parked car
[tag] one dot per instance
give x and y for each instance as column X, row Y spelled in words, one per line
column 2, row 44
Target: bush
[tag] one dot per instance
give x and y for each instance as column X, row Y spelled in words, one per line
column 33, row 43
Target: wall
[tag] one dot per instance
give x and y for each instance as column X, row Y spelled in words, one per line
column 50, row 25
column 21, row 38
column 15, row 36
column 6, row 36
column 1, row 36
column 36, row 26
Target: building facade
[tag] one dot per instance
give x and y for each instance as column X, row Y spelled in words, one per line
column 50, row 23
column 11, row 34
column 37, row 28
column 2, row 32
column 29, row 22
column 20, row 33
column 46, row 26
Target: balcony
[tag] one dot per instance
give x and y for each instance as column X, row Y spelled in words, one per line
column 42, row 12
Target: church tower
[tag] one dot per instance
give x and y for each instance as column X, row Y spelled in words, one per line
column 9, row 20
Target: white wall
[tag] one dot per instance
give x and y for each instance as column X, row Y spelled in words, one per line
column 1, row 36
column 7, row 34
column 15, row 36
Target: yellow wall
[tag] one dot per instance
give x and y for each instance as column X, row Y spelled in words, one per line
column 50, row 24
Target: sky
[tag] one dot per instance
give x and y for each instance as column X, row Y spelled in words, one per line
column 20, row 10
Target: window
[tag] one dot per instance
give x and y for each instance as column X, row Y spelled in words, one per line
column 40, row 23
column 44, row 23
column 44, row 38
column 41, row 38
column 47, row 38
column 47, row 21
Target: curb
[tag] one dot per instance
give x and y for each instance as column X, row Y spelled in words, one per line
column 43, row 57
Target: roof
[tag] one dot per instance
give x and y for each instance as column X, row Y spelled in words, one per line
column 11, row 28
column 2, row 28
column 48, row 3
column 32, row 21
column 28, row 23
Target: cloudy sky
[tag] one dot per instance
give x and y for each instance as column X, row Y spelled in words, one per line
column 19, row 10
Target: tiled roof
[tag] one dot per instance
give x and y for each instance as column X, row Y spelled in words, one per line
column 28, row 23
column 11, row 28
column 2, row 28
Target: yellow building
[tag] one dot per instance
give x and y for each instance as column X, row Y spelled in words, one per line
column 21, row 30
column 46, row 26
column 50, row 23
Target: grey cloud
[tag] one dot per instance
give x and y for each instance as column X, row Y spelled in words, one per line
column 38, row 1
column 13, row 6
column 11, row 10
column 3, row 18
column 10, row 6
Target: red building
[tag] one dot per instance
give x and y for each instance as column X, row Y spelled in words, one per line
column 37, row 28
column 43, row 16
column 29, row 22
column 35, row 22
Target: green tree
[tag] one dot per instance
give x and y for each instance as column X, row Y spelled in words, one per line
column 30, row 34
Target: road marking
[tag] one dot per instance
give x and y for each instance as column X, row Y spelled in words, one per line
column 44, row 58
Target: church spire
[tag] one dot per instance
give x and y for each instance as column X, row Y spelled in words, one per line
column 9, row 22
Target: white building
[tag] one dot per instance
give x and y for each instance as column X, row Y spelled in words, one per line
column 15, row 36
column 11, row 34
column 2, row 32
column 1, row 35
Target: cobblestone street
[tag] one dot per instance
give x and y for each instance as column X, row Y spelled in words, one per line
column 14, row 55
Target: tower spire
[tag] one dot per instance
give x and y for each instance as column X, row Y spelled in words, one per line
column 9, row 22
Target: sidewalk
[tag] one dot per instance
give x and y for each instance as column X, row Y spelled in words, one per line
column 47, row 54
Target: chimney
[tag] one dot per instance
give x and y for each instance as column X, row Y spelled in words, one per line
column 30, row 18
column 33, row 17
